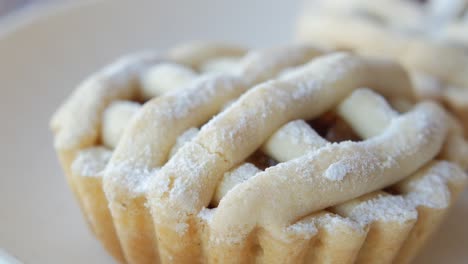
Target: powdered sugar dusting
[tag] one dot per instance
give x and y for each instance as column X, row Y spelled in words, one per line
column 299, row 132
column 181, row 228
column 358, row 160
column 91, row 162
column 336, row 171
column 331, row 221
column 187, row 136
column 302, row 78
column 179, row 197
column 76, row 122
column 206, row 214
column 202, row 91
column 385, row 208
column 259, row 66
column 431, row 189
column 232, row 178
column 135, row 177
column 306, row 229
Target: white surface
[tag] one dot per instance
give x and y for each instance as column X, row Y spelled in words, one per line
column 43, row 57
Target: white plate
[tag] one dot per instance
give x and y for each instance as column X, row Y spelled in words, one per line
column 42, row 57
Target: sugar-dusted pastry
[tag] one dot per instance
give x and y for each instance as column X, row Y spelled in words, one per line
column 215, row 154
column 435, row 52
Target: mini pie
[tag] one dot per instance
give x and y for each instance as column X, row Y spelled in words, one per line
column 434, row 52
column 284, row 155
column 419, row 15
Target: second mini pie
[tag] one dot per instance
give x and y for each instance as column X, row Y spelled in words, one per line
column 434, row 52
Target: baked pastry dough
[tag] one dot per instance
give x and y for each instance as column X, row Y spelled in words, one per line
column 434, row 52
column 222, row 167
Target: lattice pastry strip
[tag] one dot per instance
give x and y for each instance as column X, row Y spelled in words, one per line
column 438, row 67
column 166, row 165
